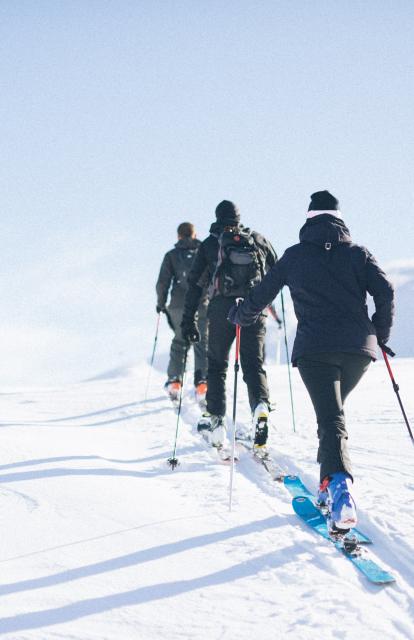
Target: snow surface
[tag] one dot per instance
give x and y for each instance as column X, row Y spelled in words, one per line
column 101, row 540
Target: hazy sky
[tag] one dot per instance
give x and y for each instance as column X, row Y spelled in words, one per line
column 120, row 119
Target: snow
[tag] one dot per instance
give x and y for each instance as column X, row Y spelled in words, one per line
column 102, row 540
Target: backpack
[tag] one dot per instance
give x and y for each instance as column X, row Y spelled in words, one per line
column 240, row 264
column 182, row 267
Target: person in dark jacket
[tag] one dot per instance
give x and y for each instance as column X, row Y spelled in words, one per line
column 221, row 332
column 172, row 279
column 329, row 277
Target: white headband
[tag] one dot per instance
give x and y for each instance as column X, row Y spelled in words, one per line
column 332, row 212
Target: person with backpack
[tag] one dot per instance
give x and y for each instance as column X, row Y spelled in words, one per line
column 232, row 259
column 172, row 279
column 329, row 277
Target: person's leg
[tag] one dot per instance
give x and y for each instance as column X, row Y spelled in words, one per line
column 178, row 346
column 252, row 340
column 321, row 374
column 354, row 365
column 200, row 348
column 329, row 378
column 221, row 336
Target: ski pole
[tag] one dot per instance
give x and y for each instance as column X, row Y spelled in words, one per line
column 152, row 356
column 288, row 362
column 386, row 350
column 233, row 440
column 173, row 461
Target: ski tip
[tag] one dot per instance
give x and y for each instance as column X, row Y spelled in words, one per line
column 290, row 478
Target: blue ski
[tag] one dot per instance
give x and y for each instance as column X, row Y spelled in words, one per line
column 309, row 513
column 296, row 488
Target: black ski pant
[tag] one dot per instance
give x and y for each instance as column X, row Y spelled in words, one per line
column 179, row 346
column 221, row 336
column 329, row 378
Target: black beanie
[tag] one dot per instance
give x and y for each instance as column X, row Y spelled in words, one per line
column 323, row 200
column 227, row 213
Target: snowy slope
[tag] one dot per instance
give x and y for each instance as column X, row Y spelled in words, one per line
column 101, row 540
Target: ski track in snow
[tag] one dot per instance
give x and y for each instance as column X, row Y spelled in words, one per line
column 102, row 540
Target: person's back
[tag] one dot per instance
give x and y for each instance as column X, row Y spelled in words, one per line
column 205, row 265
column 232, row 259
column 173, row 283
column 329, row 278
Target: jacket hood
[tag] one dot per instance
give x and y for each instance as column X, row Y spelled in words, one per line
column 325, row 229
column 187, row 243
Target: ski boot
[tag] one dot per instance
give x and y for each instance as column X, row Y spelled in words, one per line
column 212, row 428
column 173, row 388
column 260, row 418
column 342, row 509
column 200, row 392
column 217, row 433
column 204, row 424
column 323, row 496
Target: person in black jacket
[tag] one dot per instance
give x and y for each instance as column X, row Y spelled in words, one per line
column 225, row 288
column 329, row 277
column 173, row 275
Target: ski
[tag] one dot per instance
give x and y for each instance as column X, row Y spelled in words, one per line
column 261, row 455
column 293, row 483
column 348, row 544
column 297, row 489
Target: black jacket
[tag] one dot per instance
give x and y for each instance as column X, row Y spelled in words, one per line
column 205, row 263
column 328, row 277
column 168, row 276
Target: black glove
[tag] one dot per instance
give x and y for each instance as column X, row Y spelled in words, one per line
column 231, row 317
column 383, row 335
column 160, row 309
column 189, row 331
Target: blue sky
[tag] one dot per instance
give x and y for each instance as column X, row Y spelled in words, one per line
column 118, row 120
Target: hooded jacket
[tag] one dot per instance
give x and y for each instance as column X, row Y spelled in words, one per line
column 168, row 276
column 205, row 264
column 329, row 277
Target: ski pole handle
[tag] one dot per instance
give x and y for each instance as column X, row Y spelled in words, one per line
column 386, row 349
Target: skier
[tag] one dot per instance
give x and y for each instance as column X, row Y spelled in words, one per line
column 173, row 275
column 232, row 258
column 329, row 277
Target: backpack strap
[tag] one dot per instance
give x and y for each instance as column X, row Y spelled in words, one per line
column 212, row 287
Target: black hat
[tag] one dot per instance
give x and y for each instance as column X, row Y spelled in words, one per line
column 227, row 213
column 323, row 201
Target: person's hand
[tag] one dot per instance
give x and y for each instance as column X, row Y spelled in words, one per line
column 190, row 332
column 160, row 309
column 231, row 317
column 383, row 335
